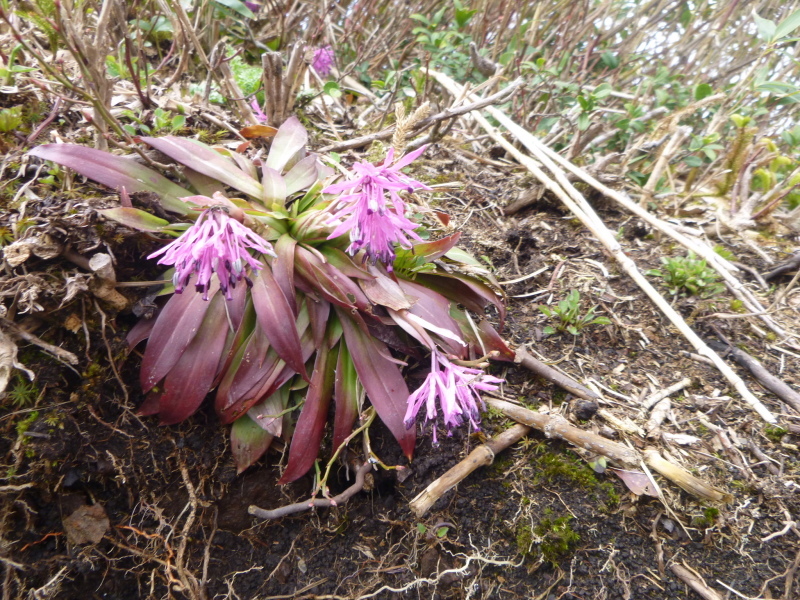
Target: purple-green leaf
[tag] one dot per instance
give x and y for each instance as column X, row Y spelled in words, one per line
column 381, row 379
column 207, row 161
column 190, row 380
column 464, row 290
column 311, row 422
column 438, row 248
column 274, row 187
column 283, row 268
column 248, row 442
column 290, row 139
column 116, row 172
column 135, row 219
column 176, row 326
column 302, row 175
column 276, row 318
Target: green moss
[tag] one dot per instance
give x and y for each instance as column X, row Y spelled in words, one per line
column 26, row 423
column 775, row 433
column 551, row 539
column 554, row 467
column 558, row 538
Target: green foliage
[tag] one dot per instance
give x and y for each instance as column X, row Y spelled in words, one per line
column 570, row 319
column 10, row 118
column 445, row 40
column 23, row 393
column 689, row 275
column 26, row 423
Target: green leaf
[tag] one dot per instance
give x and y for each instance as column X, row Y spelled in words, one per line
column 135, row 219
column 238, row 6
column 766, row 28
column 702, row 90
column 548, row 330
column 787, row 26
column 249, row 442
column 331, row 88
column 463, row 16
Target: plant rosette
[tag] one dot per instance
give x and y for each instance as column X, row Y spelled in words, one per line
column 294, row 295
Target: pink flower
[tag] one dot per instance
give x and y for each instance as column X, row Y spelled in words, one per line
column 215, row 243
column 323, row 60
column 457, row 388
column 374, row 224
column 260, row 115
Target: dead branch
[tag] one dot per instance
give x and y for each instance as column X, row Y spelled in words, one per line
column 573, row 387
column 481, row 456
column 59, row 353
column 556, row 426
column 764, row 377
column 694, row 581
column 502, row 96
column 297, row 507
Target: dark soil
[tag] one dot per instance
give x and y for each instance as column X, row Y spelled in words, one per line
column 538, row 523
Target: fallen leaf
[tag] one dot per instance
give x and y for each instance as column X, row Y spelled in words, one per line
column 87, row 525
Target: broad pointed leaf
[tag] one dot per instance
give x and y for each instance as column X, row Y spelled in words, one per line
column 277, row 319
column 190, row 380
column 311, row 423
column 436, row 249
column 492, row 341
column 207, row 161
column 290, row 139
column 382, row 381
column 268, row 414
column 385, row 291
column 248, row 443
column 346, row 393
column 204, row 184
column 135, row 219
column 283, row 268
column 274, row 187
column 140, row 332
column 464, row 290
column 176, row 326
column 116, row 172
column 302, row 175
column 435, row 309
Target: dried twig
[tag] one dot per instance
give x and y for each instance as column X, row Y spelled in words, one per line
column 529, row 362
column 764, row 377
column 481, row 456
column 502, row 96
column 694, row 581
column 297, row 507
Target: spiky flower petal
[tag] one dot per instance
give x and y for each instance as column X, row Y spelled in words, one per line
column 457, row 389
column 374, row 223
column 215, row 243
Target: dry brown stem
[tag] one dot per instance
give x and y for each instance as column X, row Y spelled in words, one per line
column 481, row 456
column 543, row 370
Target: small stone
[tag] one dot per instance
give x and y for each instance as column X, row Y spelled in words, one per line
column 584, row 409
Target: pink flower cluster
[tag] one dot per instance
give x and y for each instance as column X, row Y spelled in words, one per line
column 215, row 243
column 374, row 224
column 457, row 389
column 322, row 62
